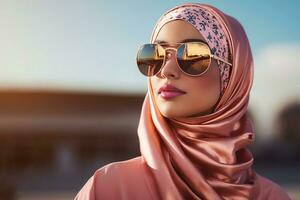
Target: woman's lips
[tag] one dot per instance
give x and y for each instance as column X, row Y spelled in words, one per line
column 168, row 91
column 170, row 94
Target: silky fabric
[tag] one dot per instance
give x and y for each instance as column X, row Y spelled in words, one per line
column 204, row 157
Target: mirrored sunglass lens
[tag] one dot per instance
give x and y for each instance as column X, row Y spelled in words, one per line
column 193, row 58
column 150, row 58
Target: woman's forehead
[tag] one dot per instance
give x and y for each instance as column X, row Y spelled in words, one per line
column 178, row 31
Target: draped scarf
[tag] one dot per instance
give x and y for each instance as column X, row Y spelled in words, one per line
column 204, row 157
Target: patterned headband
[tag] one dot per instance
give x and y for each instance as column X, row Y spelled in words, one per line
column 210, row 28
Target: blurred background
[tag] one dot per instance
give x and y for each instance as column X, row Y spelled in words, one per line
column 71, row 94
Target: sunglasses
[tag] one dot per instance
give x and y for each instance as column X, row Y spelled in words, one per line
column 193, row 58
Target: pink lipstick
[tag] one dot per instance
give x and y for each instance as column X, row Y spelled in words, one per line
column 168, row 91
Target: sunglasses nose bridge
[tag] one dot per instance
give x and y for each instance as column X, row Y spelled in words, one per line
column 169, row 54
column 169, row 66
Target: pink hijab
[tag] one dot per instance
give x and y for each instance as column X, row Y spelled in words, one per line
column 204, row 157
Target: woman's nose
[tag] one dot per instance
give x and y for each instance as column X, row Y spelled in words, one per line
column 170, row 68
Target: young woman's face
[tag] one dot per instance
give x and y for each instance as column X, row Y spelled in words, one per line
column 201, row 93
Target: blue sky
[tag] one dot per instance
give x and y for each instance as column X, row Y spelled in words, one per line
column 91, row 45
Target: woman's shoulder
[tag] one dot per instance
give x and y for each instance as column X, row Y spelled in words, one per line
column 269, row 189
column 112, row 180
column 115, row 171
column 119, row 165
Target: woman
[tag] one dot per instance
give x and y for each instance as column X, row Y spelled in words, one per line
column 194, row 129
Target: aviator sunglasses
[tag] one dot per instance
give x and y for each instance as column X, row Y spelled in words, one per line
column 193, row 58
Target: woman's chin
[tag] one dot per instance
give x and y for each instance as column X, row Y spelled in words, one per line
column 170, row 112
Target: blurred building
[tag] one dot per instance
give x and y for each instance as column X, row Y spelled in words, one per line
column 52, row 142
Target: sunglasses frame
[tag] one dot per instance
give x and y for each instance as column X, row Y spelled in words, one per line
column 176, row 49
